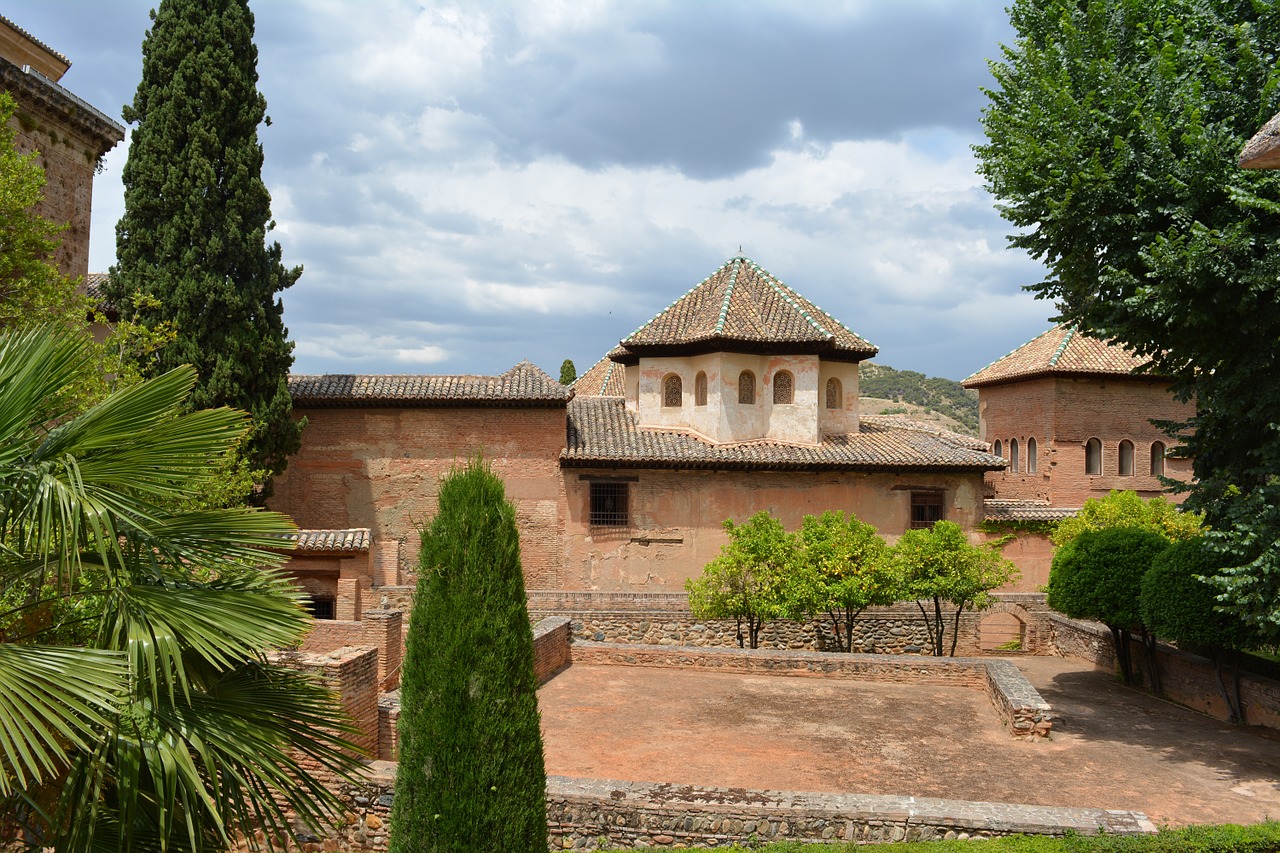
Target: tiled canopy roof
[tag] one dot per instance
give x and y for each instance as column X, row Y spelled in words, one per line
column 742, row 307
column 602, row 433
column 1263, row 150
column 523, row 385
column 604, row 379
column 1061, row 351
column 355, row 540
column 1010, row 510
column 92, row 285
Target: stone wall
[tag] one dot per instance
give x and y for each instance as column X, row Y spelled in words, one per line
column 1185, row 678
column 664, row 619
column 587, row 814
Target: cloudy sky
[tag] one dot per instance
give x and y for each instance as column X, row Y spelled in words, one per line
column 471, row 184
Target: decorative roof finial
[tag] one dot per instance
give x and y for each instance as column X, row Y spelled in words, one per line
column 740, row 250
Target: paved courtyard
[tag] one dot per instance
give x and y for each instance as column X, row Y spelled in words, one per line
column 1112, row 748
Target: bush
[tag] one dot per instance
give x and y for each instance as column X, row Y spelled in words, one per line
column 471, row 764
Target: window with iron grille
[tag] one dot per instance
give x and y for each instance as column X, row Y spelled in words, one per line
column 746, row 388
column 835, row 394
column 609, row 505
column 672, row 392
column 926, row 509
column 783, row 387
column 322, row 607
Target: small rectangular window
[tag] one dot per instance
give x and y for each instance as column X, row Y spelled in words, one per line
column 322, row 607
column 609, row 505
column 926, row 509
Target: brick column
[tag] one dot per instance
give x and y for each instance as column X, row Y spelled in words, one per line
column 386, row 563
column 383, row 628
column 347, row 607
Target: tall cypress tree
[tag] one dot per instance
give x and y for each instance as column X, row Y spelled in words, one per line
column 193, row 235
column 471, row 773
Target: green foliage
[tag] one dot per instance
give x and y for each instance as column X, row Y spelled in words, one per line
column 945, row 396
column 1113, row 133
column 471, row 765
column 842, row 569
column 196, row 217
column 748, row 581
column 1126, row 509
column 940, row 565
column 568, row 373
column 1178, row 604
column 32, row 290
column 160, row 722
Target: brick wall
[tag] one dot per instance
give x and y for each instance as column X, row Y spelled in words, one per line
column 1185, row 678
column 552, row 651
column 352, row 673
column 381, row 468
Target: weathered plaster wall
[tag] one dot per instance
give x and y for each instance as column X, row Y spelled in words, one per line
column 678, row 517
column 1062, row 414
column 381, row 469
column 1033, row 555
column 844, row 420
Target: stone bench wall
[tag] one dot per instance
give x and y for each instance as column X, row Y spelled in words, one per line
column 587, row 814
column 1019, row 704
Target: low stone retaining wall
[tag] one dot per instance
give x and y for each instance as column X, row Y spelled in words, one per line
column 664, row 619
column 1185, row 678
column 1019, row 704
column 551, row 647
column 587, row 814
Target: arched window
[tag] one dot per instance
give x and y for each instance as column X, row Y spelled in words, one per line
column 746, row 388
column 1157, row 458
column 700, row 389
column 1093, row 456
column 1014, row 460
column 1032, row 463
column 672, row 392
column 784, row 387
column 1125, row 458
column 998, row 449
column 835, row 394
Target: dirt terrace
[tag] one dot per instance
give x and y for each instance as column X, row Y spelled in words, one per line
column 1111, row 747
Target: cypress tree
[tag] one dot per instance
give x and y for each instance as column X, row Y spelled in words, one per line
column 471, row 774
column 193, row 235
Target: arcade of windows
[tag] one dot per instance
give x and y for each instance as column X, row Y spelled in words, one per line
column 784, row 390
column 1093, row 457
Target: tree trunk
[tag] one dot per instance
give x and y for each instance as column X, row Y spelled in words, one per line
column 1120, row 637
column 941, row 622
column 1233, row 715
column 928, row 624
column 955, row 630
column 1153, row 666
column 753, row 627
column 739, row 633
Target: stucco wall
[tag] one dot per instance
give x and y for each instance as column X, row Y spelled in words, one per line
column 677, row 517
column 381, row 469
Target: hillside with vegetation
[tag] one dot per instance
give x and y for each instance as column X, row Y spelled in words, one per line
column 885, row 391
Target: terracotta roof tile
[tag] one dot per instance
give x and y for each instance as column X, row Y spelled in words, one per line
column 601, row 432
column 354, row 540
column 741, row 306
column 1263, row 150
column 92, row 286
column 1061, row 351
column 1014, row 510
column 523, row 385
column 605, row 379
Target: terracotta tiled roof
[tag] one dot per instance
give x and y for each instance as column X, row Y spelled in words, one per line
column 1263, row 150
column 523, row 385
column 1061, row 351
column 355, row 540
column 957, row 438
column 92, row 285
column 742, row 307
column 604, row 379
column 603, row 433
column 1010, row 510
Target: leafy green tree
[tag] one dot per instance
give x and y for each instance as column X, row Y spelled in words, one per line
column 156, row 721
column 748, row 581
column 193, row 235
column 32, row 290
column 568, row 373
column 471, row 769
column 1126, row 509
column 842, row 569
column 1180, row 605
column 939, row 565
column 1098, row 575
column 1112, row 136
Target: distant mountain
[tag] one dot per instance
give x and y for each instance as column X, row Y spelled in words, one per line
column 886, row 391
